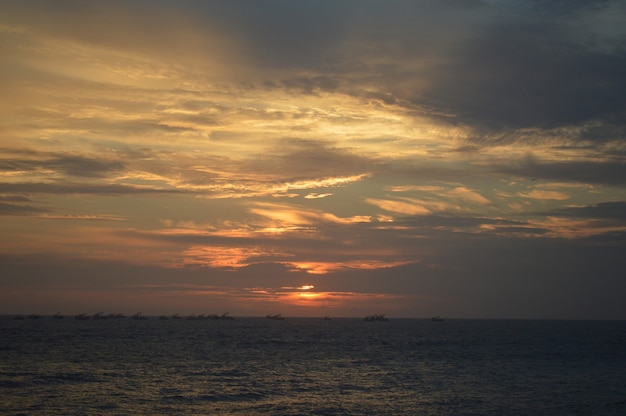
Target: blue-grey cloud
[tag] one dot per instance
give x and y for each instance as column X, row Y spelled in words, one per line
column 15, row 209
column 80, row 188
column 67, row 164
column 604, row 210
column 610, row 173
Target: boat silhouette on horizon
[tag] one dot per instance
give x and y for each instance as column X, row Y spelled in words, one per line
column 377, row 317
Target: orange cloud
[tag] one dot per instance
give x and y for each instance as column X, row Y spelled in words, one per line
column 327, row 267
column 317, row 196
column 87, row 217
column 400, row 207
column 572, row 228
column 317, row 299
column 419, row 188
column 545, row 195
column 284, row 215
column 224, row 257
column 468, row 195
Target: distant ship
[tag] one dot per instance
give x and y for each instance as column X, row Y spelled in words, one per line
column 225, row 316
column 99, row 315
column 436, row 318
column 372, row 318
column 138, row 316
column 278, row 316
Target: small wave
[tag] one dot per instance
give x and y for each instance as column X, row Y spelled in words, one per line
column 68, row 378
column 10, row 384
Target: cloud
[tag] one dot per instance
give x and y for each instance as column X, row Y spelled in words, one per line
column 604, row 210
column 317, row 196
column 62, row 163
column 532, row 72
column 15, row 209
column 610, row 172
column 400, row 207
column 569, row 228
column 468, row 195
column 285, row 216
column 485, row 64
column 192, row 148
column 78, row 188
column 438, row 199
column 84, row 217
column 409, row 188
column 544, row 194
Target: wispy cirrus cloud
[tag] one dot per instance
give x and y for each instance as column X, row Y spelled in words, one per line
column 28, row 161
column 83, row 217
column 19, row 209
column 229, row 146
column 545, row 194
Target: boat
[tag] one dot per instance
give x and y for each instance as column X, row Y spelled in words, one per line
column 138, row 316
column 58, row 316
column 82, row 317
column 327, row 318
column 277, row 316
column 372, row 318
column 436, row 318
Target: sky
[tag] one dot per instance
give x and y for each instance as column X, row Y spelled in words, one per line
column 462, row 158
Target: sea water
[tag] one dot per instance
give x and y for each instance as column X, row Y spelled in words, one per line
column 304, row 366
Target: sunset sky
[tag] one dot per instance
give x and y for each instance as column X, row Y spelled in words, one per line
column 463, row 158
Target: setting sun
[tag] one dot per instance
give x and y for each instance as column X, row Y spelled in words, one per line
column 324, row 147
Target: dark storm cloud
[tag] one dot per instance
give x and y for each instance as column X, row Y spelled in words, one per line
column 527, row 69
column 490, row 65
column 494, row 66
column 286, row 34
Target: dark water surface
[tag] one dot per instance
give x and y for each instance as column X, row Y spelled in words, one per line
column 311, row 367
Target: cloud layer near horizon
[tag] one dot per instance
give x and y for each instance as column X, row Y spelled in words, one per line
column 232, row 149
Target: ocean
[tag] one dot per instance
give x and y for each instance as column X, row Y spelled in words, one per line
column 305, row 366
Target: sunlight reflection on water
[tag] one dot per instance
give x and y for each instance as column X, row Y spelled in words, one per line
column 309, row 366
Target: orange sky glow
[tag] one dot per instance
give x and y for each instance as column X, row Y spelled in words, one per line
column 327, row 158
